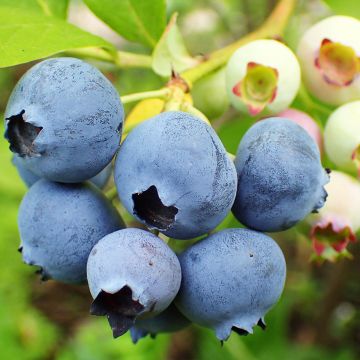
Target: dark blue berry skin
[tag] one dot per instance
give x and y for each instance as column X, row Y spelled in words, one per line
column 60, row 223
column 64, row 118
column 280, row 177
column 170, row 320
column 131, row 273
column 173, row 174
column 230, row 280
column 29, row 178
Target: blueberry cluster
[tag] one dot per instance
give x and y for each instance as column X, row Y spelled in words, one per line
column 172, row 173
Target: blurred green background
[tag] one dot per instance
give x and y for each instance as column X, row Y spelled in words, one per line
column 318, row 316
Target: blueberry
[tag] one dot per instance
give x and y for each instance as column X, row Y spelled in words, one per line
column 203, row 94
column 131, row 273
column 173, row 174
column 280, row 177
column 60, row 223
column 305, row 121
column 329, row 56
column 64, row 118
column 262, row 77
column 170, row 320
column 26, row 175
column 29, row 178
column 102, row 178
column 230, row 280
column 338, row 222
column 342, row 137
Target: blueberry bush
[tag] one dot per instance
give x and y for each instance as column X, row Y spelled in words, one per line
column 185, row 172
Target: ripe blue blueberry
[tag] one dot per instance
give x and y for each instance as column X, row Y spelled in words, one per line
column 26, row 175
column 64, row 118
column 60, row 223
column 173, row 174
column 131, row 273
column 29, row 178
column 102, row 178
column 170, row 320
column 230, row 280
column 280, row 177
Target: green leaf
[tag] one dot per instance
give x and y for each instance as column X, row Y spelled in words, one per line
column 27, row 36
column 170, row 52
column 57, row 8
column 346, row 7
column 140, row 21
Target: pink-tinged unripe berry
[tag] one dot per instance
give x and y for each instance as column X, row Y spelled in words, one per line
column 342, row 137
column 329, row 56
column 262, row 77
column 305, row 121
column 337, row 222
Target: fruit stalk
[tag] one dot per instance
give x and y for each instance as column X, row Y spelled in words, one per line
column 310, row 104
column 272, row 27
column 155, row 94
column 121, row 59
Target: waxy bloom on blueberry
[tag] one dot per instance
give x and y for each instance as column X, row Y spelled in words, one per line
column 64, row 118
column 280, row 177
column 329, row 54
column 262, row 77
column 26, row 175
column 230, row 281
column 131, row 273
column 338, row 221
column 342, row 137
column 29, row 178
column 60, row 223
column 173, row 174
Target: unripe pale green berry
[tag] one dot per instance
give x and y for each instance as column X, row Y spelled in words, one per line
column 262, row 77
column 342, row 136
column 210, row 95
column 329, row 56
